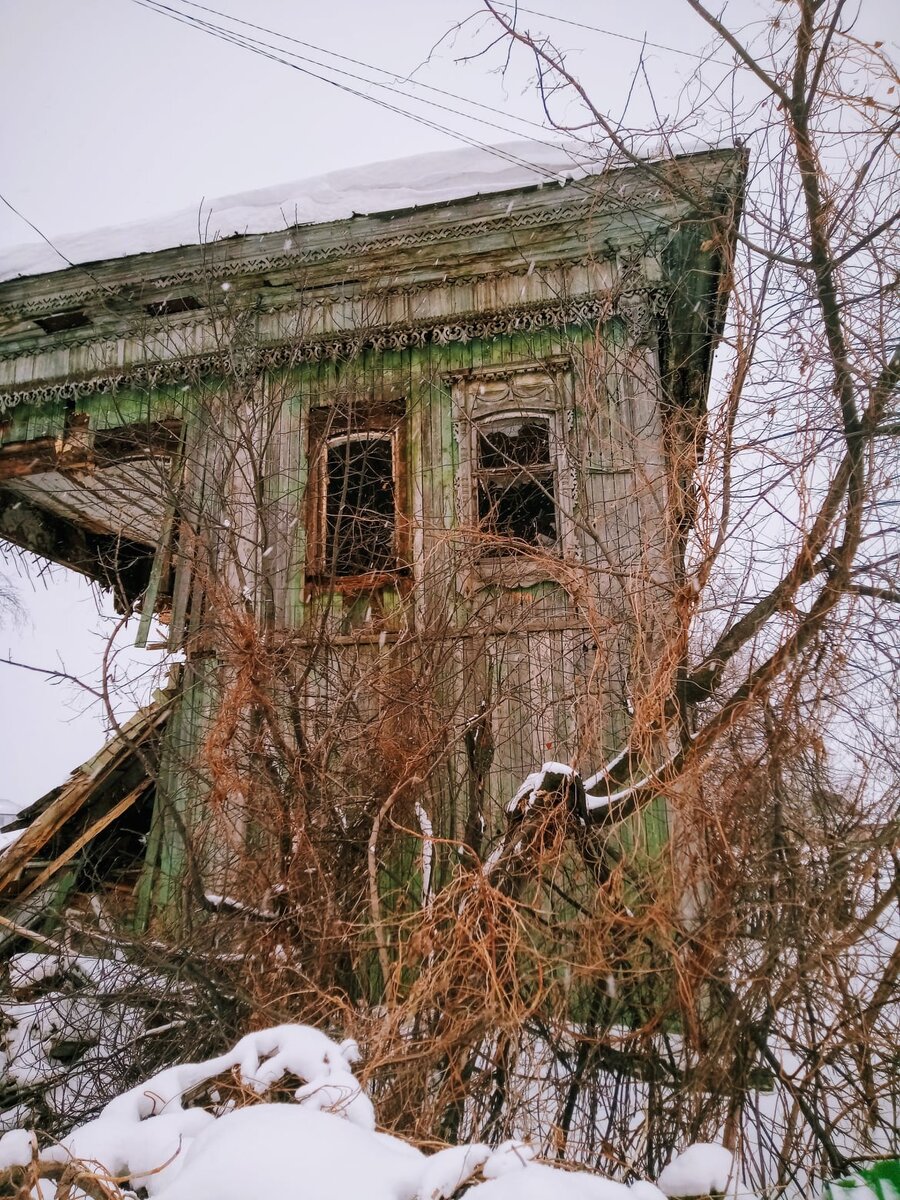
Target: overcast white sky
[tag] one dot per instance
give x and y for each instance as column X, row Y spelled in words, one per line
column 112, row 112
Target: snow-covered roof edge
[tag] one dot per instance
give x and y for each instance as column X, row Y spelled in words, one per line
column 360, row 191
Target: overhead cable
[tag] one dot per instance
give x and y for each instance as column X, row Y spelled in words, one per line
column 286, row 37
column 269, row 52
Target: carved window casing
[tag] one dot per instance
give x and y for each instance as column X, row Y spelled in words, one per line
column 357, row 528
column 515, row 490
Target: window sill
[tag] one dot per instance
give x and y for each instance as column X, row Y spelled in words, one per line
column 513, row 571
column 355, row 585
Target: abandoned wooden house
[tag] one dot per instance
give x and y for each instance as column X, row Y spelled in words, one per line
column 402, row 464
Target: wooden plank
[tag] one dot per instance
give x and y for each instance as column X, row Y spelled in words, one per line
column 162, row 559
column 90, row 778
column 37, row 455
column 42, row 828
column 152, row 882
column 147, row 879
column 22, row 458
column 80, row 842
column 192, row 502
column 179, row 795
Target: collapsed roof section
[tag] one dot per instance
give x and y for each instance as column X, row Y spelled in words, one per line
column 87, row 834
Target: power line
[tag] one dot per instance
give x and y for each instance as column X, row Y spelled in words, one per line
column 251, row 42
column 625, row 37
column 267, row 51
column 56, row 250
column 286, row 37
column 31, row 225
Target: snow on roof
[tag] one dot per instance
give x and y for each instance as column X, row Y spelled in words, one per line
column 379, row 187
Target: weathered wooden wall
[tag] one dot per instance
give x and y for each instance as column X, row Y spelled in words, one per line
column 549, row 658
column 406, row 308
column 547, row 654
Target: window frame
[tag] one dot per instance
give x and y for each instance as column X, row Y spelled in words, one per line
column 481, row 397
column 489, row 481
column 333, row 425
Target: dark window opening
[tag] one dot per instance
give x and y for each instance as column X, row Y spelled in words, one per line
column 360, row 504
column 116, row 854
column 139, row 441
column 169, row 308
column 520, row 510
column 60, row 322
column 514, row 444
column 516, row 481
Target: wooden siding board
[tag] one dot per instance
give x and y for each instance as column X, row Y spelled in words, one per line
column 529, row 651
column 162, row 559
column 180, row 807
column 294, row 466
column 534, row 675
column 112, row 410
column 28, row 422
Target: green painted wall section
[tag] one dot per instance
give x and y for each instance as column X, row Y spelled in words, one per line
column 172, row 870
column 533, row 675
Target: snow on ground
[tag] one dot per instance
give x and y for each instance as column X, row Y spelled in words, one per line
column 263, row 1149
column 702, row 1168
column 68, row 1023
column 16, row 1148
column 322, row 1147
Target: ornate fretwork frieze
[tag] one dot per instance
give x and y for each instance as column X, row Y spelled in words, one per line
column 297, row 249
column 346, row 344
column 317, row 304
column 641, row 311
column 548, row 366
column 218, row 264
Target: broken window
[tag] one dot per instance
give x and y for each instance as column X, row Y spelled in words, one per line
column 355, row 525
column 515, row 479
column 173, row 306
column 360, row 504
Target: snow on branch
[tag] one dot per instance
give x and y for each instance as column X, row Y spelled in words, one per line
column 327, row 1139
column 554, row 778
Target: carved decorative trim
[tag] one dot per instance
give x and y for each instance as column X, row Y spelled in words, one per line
column 550, row 366
column 301, row 257
column 604, row 196
column 346, row 344
column 307, row 302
